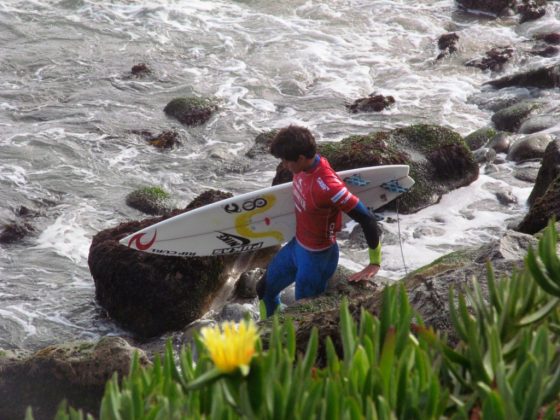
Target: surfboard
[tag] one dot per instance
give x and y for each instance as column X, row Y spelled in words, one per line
column 258, row 219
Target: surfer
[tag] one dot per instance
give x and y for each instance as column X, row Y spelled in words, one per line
column 311, row 257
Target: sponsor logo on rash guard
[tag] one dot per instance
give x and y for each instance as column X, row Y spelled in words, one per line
column 322, row 184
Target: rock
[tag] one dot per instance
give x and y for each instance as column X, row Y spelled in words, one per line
column 236, row 312
column 501, row 143
column 495, row 7
column 480, row 137
column 511, row 118
column 539, row 123
column 439, row 160
column 165, row 140
column 549, row 37
column 506, row 198
column 191, row 110
column 76, row 371
column 542, row 209
column 150, row 200
column 494, row 59
column 246, row 286
column 548, row 172
column 531, row 10
column 140, row 70
column 373, row 103
column 21, row 227
column 447, row 43
column 150, row 294
column 544, row 78
column 262, row 144
column 529, row 147
column 528, row 172
column 430, row 231
column 491, row 169
column 544, row 50
column 15, row 232
column 484, row 155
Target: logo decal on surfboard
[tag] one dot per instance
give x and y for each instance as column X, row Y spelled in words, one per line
column 243, row 221
column 136, row 241
column 248, row 205
column 356, row 180
column 232, row 240
column 239, row 248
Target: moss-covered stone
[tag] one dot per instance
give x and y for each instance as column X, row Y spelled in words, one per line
column 438, row 157
column 480, row 137
column 511, row 118
column 191, row 110
column 150, row 200
column 76, row 371
column 262, row 144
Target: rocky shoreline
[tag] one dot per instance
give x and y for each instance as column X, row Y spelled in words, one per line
column 150, row 295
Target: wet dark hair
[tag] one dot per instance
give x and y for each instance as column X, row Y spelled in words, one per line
column 293, row 141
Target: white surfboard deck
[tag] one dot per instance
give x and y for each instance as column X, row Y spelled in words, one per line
column 257, row 219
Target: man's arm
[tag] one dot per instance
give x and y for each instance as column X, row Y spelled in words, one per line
column 361, row 215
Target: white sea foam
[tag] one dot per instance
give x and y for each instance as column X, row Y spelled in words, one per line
column 454, row 223
column 66, row 237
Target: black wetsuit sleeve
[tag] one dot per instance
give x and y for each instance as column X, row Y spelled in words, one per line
column 362, row 215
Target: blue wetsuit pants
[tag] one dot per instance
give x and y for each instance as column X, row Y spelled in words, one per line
column 310, row 270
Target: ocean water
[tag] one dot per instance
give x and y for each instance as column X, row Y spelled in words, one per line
column 69, row 106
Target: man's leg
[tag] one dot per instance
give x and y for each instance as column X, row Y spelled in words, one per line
column 279, row 275
column 314, row 269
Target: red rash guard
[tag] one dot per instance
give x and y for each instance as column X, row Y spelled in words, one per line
column 320, row 196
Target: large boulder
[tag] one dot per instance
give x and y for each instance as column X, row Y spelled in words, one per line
column 439, row 160
column 548, row 172
column 150, row 294
column 545, row 207
column 76, row 371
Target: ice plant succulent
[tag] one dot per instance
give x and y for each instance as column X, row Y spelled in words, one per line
column 231, row 346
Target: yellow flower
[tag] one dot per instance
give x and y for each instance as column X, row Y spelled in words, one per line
column 232, row 346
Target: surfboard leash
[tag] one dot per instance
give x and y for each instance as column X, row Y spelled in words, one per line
column 400, row 237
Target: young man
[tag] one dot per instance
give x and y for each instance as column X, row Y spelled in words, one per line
column 311, row 258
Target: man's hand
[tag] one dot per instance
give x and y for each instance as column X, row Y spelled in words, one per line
column 367, row 273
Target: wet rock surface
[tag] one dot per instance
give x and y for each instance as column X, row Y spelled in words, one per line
column 76, row 371
column 191, row 110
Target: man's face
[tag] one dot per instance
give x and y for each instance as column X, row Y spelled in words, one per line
column 295, row 166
